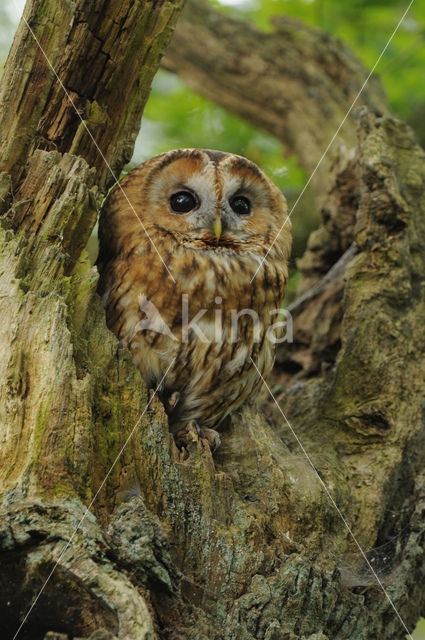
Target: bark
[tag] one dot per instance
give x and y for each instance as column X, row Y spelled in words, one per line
column 178, row 544
column 296, row 82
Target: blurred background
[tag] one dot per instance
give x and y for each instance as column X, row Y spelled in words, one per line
column 175, row 116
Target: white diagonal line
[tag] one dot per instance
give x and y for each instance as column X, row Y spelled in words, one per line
column 92, row 502
column 331, row 498
column 333, row 138
column 95, row 143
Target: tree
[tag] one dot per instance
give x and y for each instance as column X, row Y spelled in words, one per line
column 178, row 544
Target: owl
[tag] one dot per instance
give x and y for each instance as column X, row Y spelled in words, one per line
column 193, row 258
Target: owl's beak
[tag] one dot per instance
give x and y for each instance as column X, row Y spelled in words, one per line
column 217, row 227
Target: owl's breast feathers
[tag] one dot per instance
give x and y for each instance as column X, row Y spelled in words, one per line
column 152, row 316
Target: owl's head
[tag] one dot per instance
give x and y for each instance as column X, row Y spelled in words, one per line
column 205, row 200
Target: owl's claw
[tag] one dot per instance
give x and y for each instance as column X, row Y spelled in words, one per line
column 172, row 401
column 212, row 437
column 191, row 432
column 187, row 434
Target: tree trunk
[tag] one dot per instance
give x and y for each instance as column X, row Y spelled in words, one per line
column 177, row 544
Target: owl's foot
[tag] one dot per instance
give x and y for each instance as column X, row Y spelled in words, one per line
column 212, row 437
column 191, row 433
column 187, row 434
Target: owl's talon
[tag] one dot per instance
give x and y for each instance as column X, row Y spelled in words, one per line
column 187, row 434
column 212, row 437
column 173, row 400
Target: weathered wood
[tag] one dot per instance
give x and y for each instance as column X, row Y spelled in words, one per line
column 317, row 311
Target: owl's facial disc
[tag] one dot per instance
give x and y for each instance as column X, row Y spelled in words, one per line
column 213, row 200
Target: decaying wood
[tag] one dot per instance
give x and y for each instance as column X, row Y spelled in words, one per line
column 178, row 545
column 317, row 311
column 295, row 82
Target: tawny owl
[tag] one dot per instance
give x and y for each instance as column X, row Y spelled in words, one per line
column 180, row 242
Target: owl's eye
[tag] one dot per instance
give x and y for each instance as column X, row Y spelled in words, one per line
column 183, row 202
column 240, row 205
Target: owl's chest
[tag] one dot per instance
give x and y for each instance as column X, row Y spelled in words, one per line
column 213, row 284
column 208, row 314
column 202, row 333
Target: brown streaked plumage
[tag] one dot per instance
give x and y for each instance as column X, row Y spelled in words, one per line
column 212, row 217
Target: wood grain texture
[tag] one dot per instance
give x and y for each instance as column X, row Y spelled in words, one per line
column 68, row 399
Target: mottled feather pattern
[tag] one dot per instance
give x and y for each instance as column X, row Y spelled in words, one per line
column 212, row 377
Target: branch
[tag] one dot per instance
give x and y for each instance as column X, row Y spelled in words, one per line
column 334, row 275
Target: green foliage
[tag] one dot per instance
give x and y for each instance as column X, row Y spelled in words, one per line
column 419, row 633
